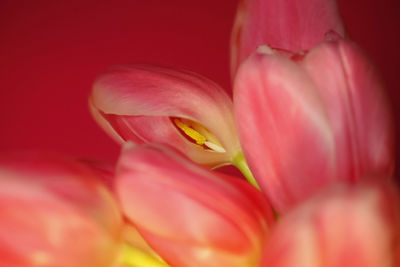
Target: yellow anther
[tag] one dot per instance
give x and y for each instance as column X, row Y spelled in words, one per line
column 206, row 133
column 196, row 136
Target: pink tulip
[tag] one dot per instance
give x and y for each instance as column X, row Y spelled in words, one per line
column 176, row 108
column 54, row 212
column 307, row 120
column 292, row 25
column 355, row 226
column 189, row 215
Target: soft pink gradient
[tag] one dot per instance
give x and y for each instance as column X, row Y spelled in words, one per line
column 55, row 212
column 190, row 215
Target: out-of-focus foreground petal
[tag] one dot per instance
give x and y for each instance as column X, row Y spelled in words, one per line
column 309, row 120
column 144, row 103
column 345, row 225
column 54, row 212
column 136, row 252
column 292, row 25
column 189, row 215
column 103, row 170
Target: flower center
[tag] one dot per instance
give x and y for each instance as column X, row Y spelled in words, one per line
column 198, row 134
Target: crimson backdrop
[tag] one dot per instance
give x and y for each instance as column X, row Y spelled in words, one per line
column 50, row 52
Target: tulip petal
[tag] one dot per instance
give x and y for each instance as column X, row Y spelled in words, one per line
column 284, row 131
column 188, row 214
column 138, row 103
column 356, row 107
column 54, row 212
column 310, row 119
column 292, row 25
column 345, row 225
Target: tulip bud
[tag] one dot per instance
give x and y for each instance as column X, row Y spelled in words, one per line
column 292, row 25
column 307, row 120
column 177, row 108
column 189, row 215
column 345, row 225
column 54, row 212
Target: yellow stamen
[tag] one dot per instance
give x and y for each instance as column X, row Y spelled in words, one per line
column 196, row 136
column 203, row 131
column 202, row 137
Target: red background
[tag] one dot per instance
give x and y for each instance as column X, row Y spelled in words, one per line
column 50, row 52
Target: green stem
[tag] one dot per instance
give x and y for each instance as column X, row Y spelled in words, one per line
column 131, row 256
column 240, row 162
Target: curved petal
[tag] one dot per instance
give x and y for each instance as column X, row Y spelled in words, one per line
column 54, row 212
column 292, row 25
column 356, row 106
column 283, row 128
column 188, row 214
column 345, row 225
column 312, row 118
column 143, row 103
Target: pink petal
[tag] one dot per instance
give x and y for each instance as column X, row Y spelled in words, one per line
column 292, row 25
column 54, row 212
column 137, row 103
column 345, row 225
column 356, row 106
column 283, row 127
column 310, row 119
column 190, row 215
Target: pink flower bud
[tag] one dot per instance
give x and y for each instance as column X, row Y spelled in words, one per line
column 177, row 108
column 355, row 226
column 307, row 120
column 292, row 25
column 54, row 212
column 189, row 215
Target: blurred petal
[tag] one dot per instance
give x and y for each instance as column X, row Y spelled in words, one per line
column 292, row 25
column 132, row 237
column 103, row 170
column 54, row 212
column 345, row 225
column 135, row 251
column 190, row 215
column 177, row 108
column 310, row 119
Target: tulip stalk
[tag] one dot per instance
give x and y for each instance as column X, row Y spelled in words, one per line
column 239, row 161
